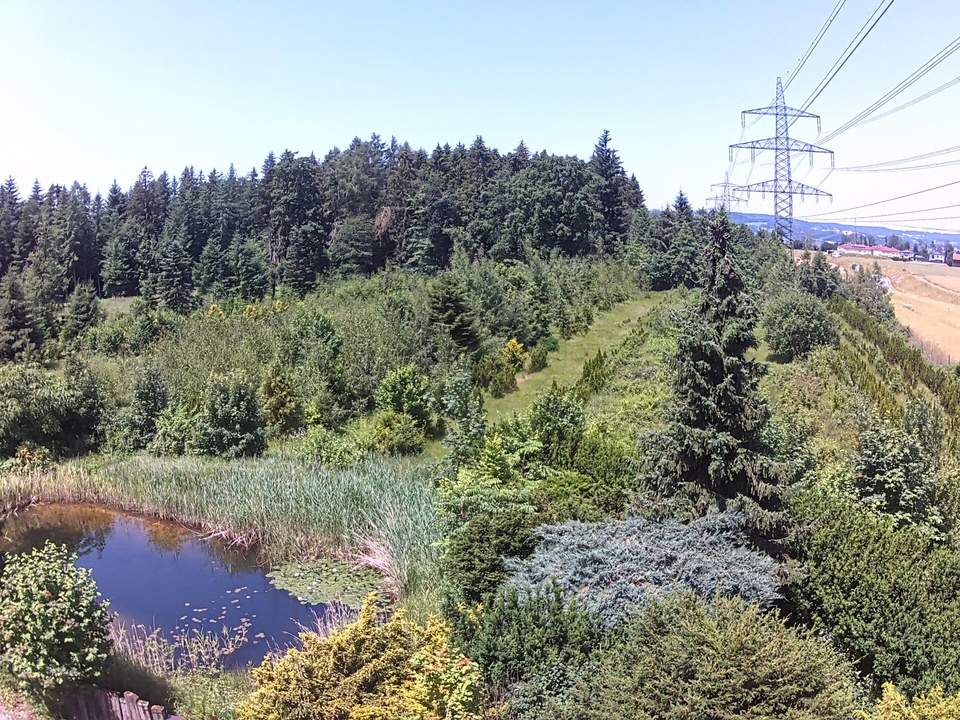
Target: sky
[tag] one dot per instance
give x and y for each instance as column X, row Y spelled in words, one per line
column 95, row 91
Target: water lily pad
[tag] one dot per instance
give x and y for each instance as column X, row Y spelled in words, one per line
column 324, row 581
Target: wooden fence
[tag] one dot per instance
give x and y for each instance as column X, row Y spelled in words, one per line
column 105, row 705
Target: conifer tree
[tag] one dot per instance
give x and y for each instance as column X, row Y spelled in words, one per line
column 82, row 311
column 449, row 310
column 120, row 271
column 209, row 271
column 250, row 265
column 301, row 262
column 171, row 284
column 713, row 449
column 9, row 216
column 612, row 189
column 352, row 246
column 17, row 336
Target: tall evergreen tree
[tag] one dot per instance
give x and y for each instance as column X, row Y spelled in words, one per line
column 302, row 260
column 120, row 271
column 170, row 284
column 9, row 217
column 352, row 247
column 17, row 335
column 713, row 449
column 612, row 189
column 82, row 311
column 450, row 312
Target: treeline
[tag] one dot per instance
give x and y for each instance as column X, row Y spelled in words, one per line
column 355, row 211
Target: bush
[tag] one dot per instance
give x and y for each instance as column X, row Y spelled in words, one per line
column 229, row 423
column 331, row 449
column 796, row 323
column 518, row 636
column 557, row 421
column 514, row 354
column 886, row 596
column 405, row 390
column 282, row 409
column 614, row 568
column 136, row 425
column 392, row 433
column 176, row 426
column 41, row 409
column 538, row 359
column 686, row 660
column 368, row 671
column 53, row 630
column 933, row 706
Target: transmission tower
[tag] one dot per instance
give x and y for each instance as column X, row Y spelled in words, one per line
column 725, row 194
column 782, row 186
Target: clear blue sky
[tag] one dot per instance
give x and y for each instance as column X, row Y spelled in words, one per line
column 94, row 91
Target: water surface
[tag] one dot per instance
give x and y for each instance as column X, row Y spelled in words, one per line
column 161, row 574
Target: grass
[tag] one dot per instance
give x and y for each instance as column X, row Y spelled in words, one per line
column 379, row 513
column 566, row 363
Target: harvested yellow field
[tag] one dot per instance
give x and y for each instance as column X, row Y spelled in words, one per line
column 926, row 298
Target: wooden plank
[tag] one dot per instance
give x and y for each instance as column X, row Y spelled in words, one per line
column 143, row 710
column 130, row 709
column 116, row 708
column 157, row 712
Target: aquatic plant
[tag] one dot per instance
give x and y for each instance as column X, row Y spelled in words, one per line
column 379, row 511
column 321, row 581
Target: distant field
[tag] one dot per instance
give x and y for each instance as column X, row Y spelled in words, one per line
column 926, row 298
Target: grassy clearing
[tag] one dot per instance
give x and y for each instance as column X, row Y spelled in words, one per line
column 379, row 513
column 566, row 363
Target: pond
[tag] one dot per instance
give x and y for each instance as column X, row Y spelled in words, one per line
column 162, row 575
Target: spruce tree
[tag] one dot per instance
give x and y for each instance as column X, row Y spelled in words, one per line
column 612, row 189
column 352, row 246
column 82, row 311
column 209, row 271
column 449, row 311
column 9, row 215
column 17, row 336
column 171, row 284
column 301, row 262
column 119, row 271
column 713, row 447
column 250, row 262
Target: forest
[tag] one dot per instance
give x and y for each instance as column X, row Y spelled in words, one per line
column 537, row 450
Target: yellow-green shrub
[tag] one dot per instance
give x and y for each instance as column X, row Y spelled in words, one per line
column 893, row 705
column 368, row 671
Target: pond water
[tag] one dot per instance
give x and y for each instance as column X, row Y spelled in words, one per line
column 162, row 575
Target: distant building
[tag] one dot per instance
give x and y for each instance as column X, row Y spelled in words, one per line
column 874, row 250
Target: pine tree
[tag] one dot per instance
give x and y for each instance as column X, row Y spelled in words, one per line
column 209, row 271
column 120, row 272
column 253, row 279
column 17, row 336
column 612, row 189
column 9, row 216
column 302, row 259
column 351, row 249
column 713, row 447
column 82, row 311
column 171, row 284
column 449, row 311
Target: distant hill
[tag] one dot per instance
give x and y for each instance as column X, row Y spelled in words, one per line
column 826, row 231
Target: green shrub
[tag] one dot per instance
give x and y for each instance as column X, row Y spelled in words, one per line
column 538, row 359
column 331, row 449
column 176, row 426
column 282, row 409
column 136, row 425
column 686, row 660
column 53, row 629
column 61, row 414
column 557, row 421
column 886, row 596
column 518, row 636
column 392, row 433
column 229, row 423
column 503, row 380
column 797, row 323
column 405, row 390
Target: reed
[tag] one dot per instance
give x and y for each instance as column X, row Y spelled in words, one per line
column 380, row 512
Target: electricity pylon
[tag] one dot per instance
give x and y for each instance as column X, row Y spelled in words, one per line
column 725, row 194
column 782, row 186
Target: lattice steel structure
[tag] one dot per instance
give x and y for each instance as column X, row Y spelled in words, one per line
column 725, row 194
column 782, row 186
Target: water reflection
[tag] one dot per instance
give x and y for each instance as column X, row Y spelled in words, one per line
column 160, row 574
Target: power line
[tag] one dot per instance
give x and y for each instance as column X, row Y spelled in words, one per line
column 893, row 221
column 881, row 202
column 813, row 45
column 847, row 53
column 928, row 166
column 902, row 212
column 916, row 75
column 922, row 156
column 918, row 99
